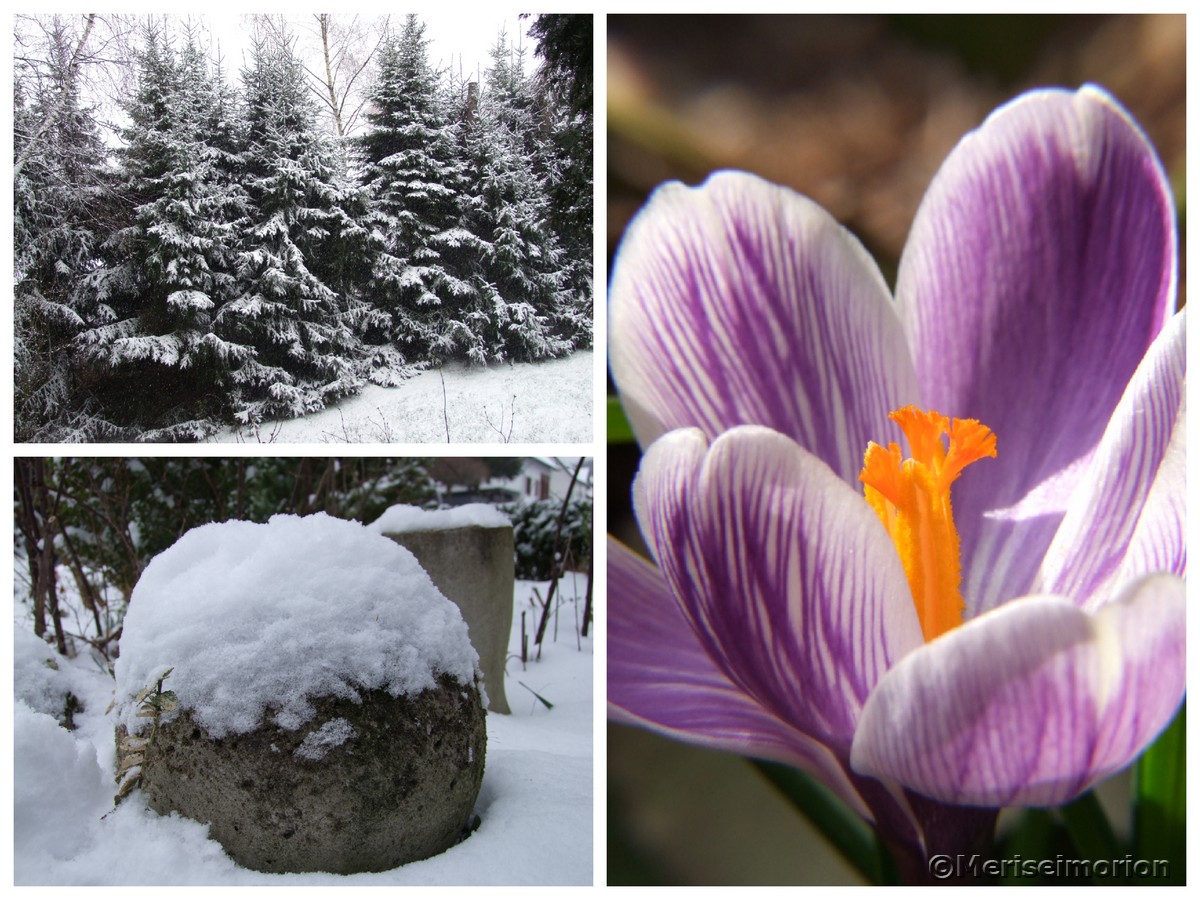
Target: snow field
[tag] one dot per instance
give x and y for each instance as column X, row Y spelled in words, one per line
column 522, row 403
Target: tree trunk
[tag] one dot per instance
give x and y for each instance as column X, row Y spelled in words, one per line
column 28, row 474
column 334, row 106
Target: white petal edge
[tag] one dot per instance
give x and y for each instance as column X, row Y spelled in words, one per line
column 1031, row 703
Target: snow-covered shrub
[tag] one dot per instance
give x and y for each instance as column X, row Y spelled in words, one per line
column 535, row 527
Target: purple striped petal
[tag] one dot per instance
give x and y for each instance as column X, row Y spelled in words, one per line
column 1133, row 491
column 783, row 571
column 1040, row 266
column 660, row 678
column 1031, row 703
column 1159, row 543
column 741, row 302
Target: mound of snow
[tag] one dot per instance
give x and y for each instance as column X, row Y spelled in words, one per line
column 254, row 618
column 37, row 677
column 61, row 793
column 402, row 518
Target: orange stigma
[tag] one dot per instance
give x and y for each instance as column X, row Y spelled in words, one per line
column 912, row 498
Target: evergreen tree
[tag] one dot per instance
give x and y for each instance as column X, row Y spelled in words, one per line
column 156, row 361
column 523, row 283
column 228, row 259
column 62, row 198
column 565, row 47
column 416, row 177
column 294, row 333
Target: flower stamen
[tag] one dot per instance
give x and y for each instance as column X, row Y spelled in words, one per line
column 912, row 498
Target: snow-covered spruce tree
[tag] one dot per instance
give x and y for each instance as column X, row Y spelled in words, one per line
column 62, row 200
column 523, row 285
column 155, row 362
column 421, row 293
column 301, row 243
column 565, row 175
column 565, row 79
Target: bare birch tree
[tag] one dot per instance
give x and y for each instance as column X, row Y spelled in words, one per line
column 346, row 47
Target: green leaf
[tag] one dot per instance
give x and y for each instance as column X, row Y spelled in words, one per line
column 1091, row 832
column 842, row 827
column 619, row 430
column 1160, row 803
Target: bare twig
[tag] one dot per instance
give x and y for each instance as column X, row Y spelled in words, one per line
column 587, row 605
column 506, row 437
column 524, row 642
column 386, row 435
column 445, row 414
column 556, row 568
column 345, row 437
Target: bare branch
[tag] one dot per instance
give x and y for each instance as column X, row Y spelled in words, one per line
column 336, row 78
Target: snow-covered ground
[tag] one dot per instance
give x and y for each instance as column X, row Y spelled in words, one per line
column 524, row 403
column 535, row 804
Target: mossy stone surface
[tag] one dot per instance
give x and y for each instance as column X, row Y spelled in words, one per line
column 402, row 788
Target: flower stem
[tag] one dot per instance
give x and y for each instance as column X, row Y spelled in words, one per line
column 956, row 841
column 1090, row 829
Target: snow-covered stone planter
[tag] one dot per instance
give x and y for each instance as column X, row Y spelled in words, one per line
column 469, row 554
column 328, row 714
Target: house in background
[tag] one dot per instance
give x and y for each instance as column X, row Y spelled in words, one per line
column 546, row 479
column 540, row 478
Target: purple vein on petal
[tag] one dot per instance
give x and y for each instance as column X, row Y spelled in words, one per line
column 741, row 302
column 1041, row 265
column 660, row 678
column 783, row 570
column 1032, row 702
column 1138, row 459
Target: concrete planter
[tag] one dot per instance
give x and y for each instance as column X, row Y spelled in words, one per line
column 361, row 787
column 303, row 688
column 473, row 566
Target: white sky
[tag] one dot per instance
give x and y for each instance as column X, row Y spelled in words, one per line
column 456, row 36
column 458, row 39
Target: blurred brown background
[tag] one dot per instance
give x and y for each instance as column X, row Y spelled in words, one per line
column 857, row 112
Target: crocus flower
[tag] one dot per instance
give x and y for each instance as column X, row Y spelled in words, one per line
column 824, row 605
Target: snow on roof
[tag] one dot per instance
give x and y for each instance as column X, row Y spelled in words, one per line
column 254, row 617
column 401, row 518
